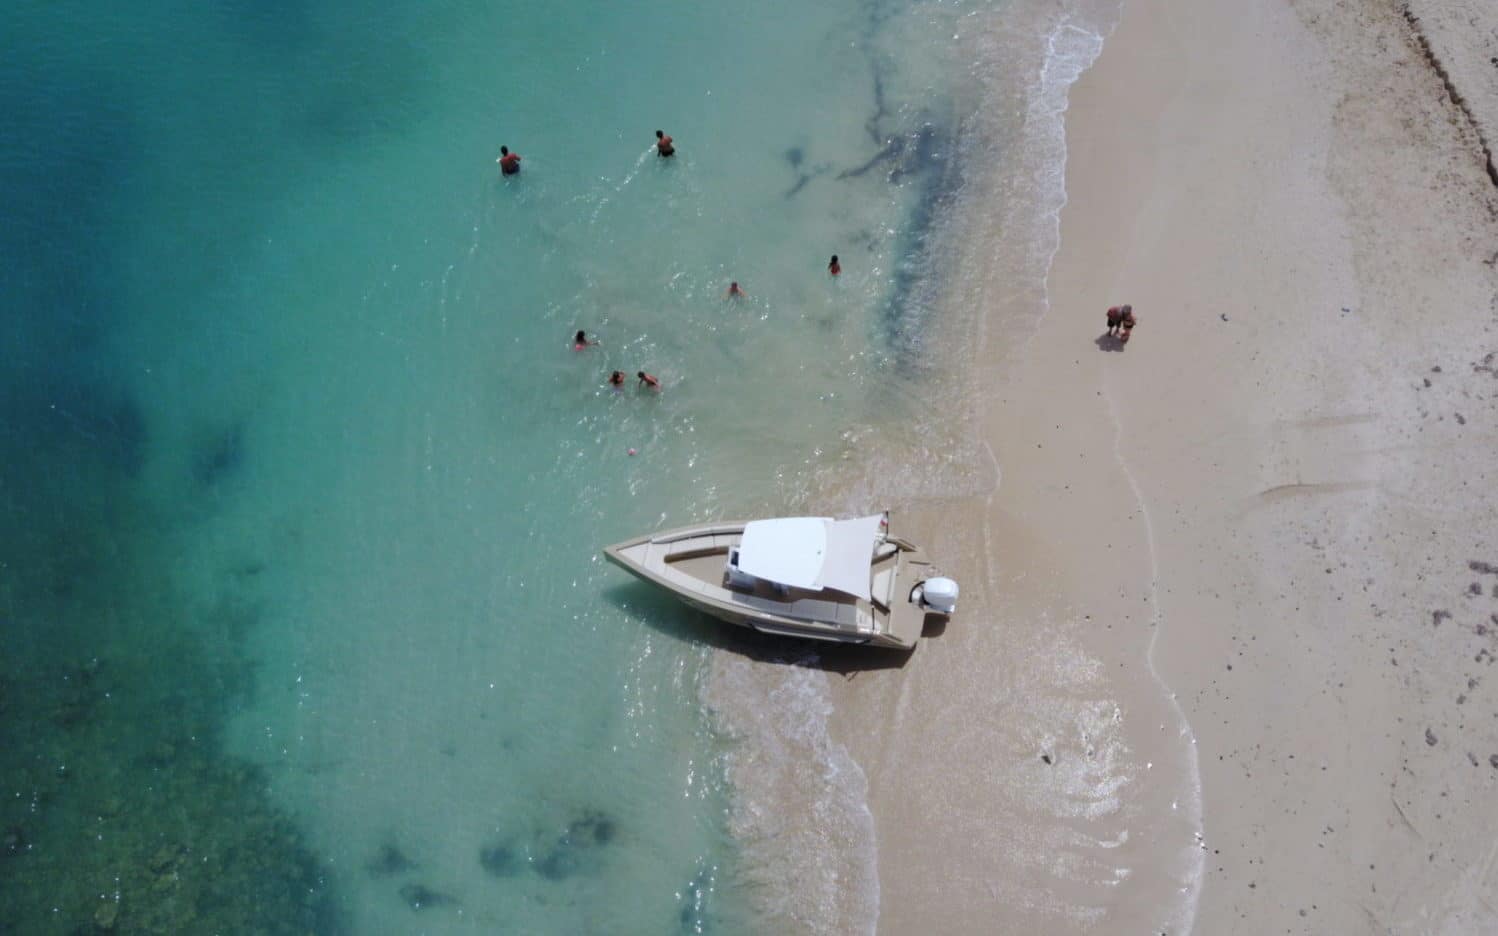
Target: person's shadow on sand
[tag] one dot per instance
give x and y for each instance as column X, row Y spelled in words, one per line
column 1107, row 342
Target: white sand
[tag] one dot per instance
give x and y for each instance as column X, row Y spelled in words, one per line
column 1265, row 534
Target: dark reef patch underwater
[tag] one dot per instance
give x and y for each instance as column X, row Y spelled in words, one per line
column 120, row 811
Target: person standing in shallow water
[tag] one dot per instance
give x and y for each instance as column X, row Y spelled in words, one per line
column 646, row 380
column 616, row 379
column 509, row 163
column 834, row 267
column 580, row 340
column 734, row 292
column 663, row 145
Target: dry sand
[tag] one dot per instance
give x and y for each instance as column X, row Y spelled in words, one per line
column 1255, row 555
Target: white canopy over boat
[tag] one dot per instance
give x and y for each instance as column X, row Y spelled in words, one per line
column 812, row 552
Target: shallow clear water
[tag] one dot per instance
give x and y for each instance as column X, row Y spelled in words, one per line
column 305, row 486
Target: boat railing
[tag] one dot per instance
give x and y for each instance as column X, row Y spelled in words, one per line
column 724, row 529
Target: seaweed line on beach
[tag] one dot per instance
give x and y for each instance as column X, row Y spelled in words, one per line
column 1418, row 38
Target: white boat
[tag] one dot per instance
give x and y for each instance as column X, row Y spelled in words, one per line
column 849, row 581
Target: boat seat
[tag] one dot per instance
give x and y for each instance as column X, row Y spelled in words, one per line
column 682, row 551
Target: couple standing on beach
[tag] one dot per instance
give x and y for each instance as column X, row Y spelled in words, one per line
column 1121, row 322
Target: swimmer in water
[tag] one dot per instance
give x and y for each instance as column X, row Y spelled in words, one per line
column 580, row 340
column 648, row 381
column 834, row 267
column 663, row 147
column 734, row 292
column 509, row 163
column 616, row 379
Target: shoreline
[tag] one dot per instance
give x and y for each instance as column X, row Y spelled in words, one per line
column 1243, row 503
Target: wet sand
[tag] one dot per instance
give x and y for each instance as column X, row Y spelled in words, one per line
column 1224, row 659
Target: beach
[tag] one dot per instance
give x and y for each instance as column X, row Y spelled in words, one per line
column 1252, row 555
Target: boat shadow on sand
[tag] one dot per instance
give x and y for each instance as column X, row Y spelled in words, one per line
column 666, row 614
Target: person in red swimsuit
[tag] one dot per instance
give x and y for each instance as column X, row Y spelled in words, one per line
column 648, row 381
column 509, row 163
column 663, row 146
column 834, row 267
column 734, row 292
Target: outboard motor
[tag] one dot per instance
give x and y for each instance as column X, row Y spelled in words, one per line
column 937, row 594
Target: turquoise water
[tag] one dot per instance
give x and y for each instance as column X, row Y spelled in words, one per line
column 305, row 626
